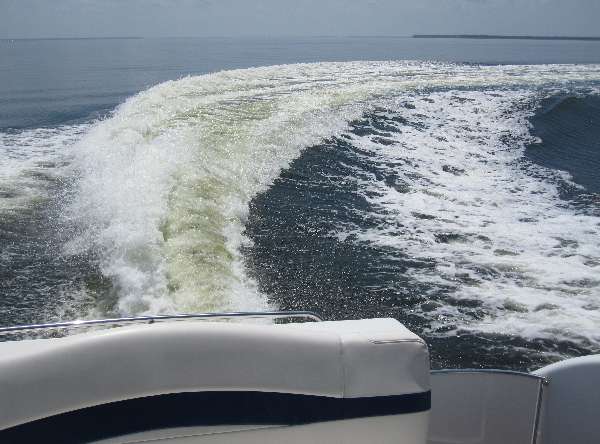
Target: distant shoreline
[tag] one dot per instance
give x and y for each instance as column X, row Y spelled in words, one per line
column 501, row 37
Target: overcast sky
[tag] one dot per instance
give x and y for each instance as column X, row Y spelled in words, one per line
column 155, row 18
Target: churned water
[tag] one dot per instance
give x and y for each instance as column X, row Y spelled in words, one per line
column 461, row 198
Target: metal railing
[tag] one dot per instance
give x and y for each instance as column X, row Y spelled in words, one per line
column 160, row 318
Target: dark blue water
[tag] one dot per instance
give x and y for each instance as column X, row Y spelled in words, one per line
column 332, row 233
column 569, row 129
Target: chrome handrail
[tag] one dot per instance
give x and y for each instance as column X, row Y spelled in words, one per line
column 488, row 371
column 159, row 318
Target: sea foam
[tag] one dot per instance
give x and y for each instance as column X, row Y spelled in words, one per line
column 493, row 223
column 163, row 186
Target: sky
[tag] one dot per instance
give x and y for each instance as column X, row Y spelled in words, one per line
column 187, row 18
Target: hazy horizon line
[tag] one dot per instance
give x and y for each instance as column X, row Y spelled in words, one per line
column 506, row 37
column 441, row 36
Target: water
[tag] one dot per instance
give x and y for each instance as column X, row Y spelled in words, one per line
column 459, row 198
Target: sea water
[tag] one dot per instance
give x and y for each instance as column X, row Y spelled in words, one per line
column 450, row 184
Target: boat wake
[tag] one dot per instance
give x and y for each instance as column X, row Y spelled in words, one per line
column 160, row 192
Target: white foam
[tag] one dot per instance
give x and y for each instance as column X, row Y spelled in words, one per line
column 530, row 259
column 28, row 159
column 164, row 185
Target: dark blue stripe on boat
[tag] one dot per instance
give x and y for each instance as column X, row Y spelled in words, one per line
column 207, row 409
